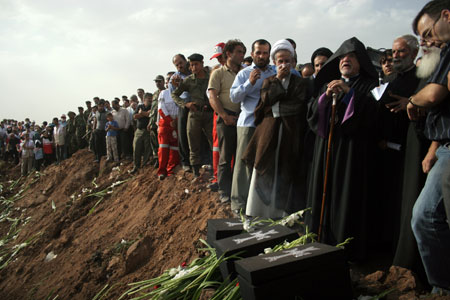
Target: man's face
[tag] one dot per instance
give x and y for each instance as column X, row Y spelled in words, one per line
column 282, row 57
column 387, row 65
column 403, row 55
column 159, row 84
column 126, row 103
column 168, row 80
column 221, row 59
column 140, row 93
column 261, row 55
column 180, row 64
column 434, row 32
column 116, row 106
column 349, row 65
column 237, row 56
column 319, row 61
column 101, row 107
column 148, row 101
column 196, row 66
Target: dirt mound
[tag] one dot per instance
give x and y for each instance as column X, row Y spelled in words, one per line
column 74, row 228
column 94, row 225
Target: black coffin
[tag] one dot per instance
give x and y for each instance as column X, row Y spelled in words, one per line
column 251, row 244
column 222, row 228
column 314, row 271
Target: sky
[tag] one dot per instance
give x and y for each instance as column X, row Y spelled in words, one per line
column 55, row 55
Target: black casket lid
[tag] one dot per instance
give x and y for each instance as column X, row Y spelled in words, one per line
column 267, row 267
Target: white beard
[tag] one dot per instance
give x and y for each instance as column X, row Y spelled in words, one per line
column 429, row 62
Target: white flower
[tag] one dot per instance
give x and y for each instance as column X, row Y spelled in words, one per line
column 186, row 191
column 79, row 195
column 109, row 192
column 123, row 241
column 268, row 250
column 72, row 197
column 184, row 272
column 247, row 225
column 173, row 271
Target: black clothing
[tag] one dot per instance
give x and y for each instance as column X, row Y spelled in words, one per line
column 350, row 183
column 142, row 122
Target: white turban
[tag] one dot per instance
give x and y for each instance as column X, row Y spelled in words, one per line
column 282, row 45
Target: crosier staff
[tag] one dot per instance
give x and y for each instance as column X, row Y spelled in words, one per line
column 327, row 163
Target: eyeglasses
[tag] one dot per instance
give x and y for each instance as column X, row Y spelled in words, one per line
column 427, row 35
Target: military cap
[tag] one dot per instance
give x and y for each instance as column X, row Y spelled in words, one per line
column 80, row 107
column 195, row 57
column 159, row 78
column 71, row 113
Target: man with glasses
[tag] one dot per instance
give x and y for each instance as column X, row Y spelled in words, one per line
column 429, row 221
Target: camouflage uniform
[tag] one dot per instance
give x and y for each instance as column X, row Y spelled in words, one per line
column 71, row 138
column 199, row 122
column 80, row 125
column 154, row 126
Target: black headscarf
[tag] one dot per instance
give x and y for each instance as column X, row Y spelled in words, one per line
column 330, row 70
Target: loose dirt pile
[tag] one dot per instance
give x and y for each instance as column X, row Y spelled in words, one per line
column 131, row 228
column 142, row 228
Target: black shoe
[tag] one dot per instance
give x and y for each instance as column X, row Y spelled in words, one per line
column 161, row 177
column 196, row 170
column 213, row 186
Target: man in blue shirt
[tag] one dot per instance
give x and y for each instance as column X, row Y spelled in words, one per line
column 246, row 91
column 429, row 221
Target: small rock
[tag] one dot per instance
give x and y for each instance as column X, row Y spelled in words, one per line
column 113, row 263
column 375, row 277
column 138, row 254
column 50, row 256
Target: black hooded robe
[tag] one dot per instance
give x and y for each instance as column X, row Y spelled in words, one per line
column 350, row 182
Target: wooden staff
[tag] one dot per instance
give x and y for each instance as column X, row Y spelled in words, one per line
column 327, row 164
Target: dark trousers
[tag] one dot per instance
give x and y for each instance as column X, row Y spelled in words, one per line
column 182, row 136
column 227, row 148
column 59, row 153
column 100, row 143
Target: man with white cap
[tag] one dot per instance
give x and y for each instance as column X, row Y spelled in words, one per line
column 277, row 186
column 246, row 91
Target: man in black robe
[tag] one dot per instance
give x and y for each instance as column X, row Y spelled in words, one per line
column 392, row 130
column 350, row 75
column 277, row 186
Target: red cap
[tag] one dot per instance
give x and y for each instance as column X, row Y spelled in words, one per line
column 218, row 50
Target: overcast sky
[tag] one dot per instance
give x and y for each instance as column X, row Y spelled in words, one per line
column 55, row 55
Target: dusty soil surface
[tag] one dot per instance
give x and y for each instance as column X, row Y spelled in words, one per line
column 145, row 226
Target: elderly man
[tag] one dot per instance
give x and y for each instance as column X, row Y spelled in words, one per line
column 430, row 221
column 246, row 91
column 350, row 76
column 274, row 152
column 180, row 63
column 200, row 112
column 392, row 130
column 227, row 113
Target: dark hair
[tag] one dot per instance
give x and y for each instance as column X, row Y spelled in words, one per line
column 148, row 95
column 101, row 102
column 433, row 9
column 115, row 101
column 323, row 51
column 387, row 53
column 180, row 55
column 261, row 42
column 231, row 45
column 170, row 73
column 248, row 59
column 55, row 118
column 109, row 114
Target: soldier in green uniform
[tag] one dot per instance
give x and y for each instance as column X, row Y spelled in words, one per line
column 80, row 124
column 71, row 138
column 153, row 125
column 200, row 118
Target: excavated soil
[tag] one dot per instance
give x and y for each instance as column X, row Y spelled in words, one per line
column 142, row 228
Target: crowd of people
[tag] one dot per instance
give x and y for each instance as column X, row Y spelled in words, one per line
column 364, row 141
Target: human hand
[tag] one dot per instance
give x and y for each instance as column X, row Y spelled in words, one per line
column 283, row 71
column 229, row 120
column 191, row 106
column 254, row 76
column 398, row 105
column 337, row 86
column 428, row 161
